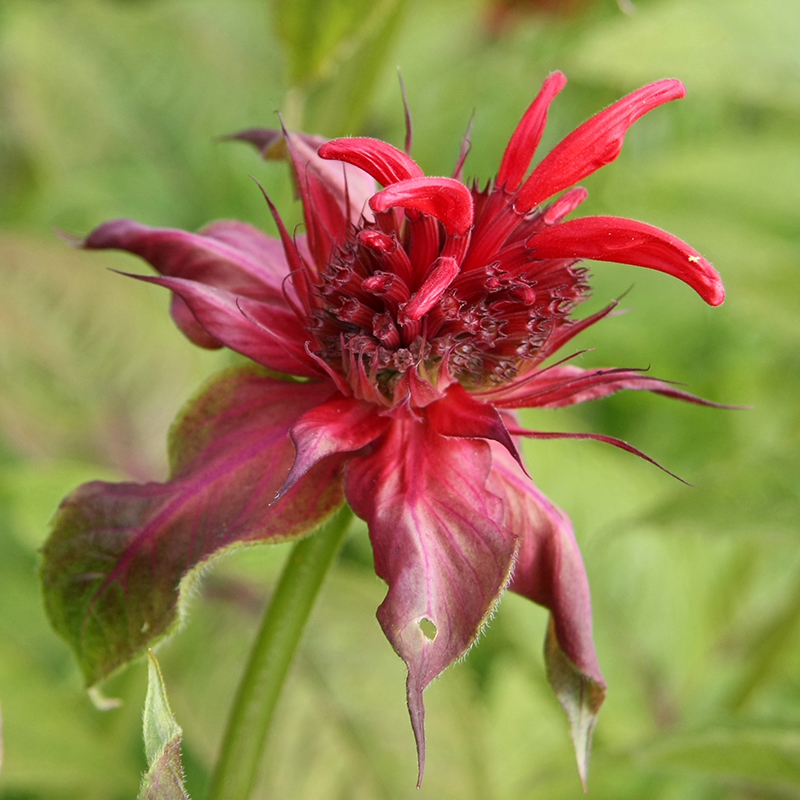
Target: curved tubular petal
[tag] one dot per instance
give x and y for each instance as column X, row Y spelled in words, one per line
column 384, row 162
column 118, row 553
column 528, row 134
column 565, row 205
column 444, row 198
column 270, row 335
column 550, row 571
column 594, row 144
column 438, row 542
column 342, row 425
column 442, row 273
column 560, row 386
column 626, row 241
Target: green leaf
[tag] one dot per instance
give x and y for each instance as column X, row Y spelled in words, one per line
column 579, row 695
column 119, row 555
column 335, row 50
column 162, row 742
column 316, row 33
column 336, row 105
column 765, row 757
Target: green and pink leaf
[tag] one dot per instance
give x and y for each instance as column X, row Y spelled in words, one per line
column 119, row 553
column 439, row 544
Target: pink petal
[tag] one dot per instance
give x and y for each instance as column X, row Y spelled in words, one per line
column 550, row 571
column 528, row 134
column 596, row 437
column 119, row 552
column 557, row 387
column 460, row 415
column 351, row 188
column 269, row 334
column 438, row 543
column 188, row 324
column 549, row 567
column 384, row 162
column 627, row 241
column 595, row 143
column 227, row 255
column 341, row 425
column 446, row 199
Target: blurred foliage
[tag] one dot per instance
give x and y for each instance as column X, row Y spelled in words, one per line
column 110, row 108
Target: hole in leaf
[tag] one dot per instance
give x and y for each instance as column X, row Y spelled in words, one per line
column 428, row 628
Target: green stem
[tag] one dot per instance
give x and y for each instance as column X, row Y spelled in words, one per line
column 272, row 654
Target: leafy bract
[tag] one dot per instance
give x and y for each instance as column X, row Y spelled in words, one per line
column 162, row 742
column 439, row 544
column 118, row 554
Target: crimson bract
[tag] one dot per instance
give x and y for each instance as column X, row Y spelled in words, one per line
column 419, row 317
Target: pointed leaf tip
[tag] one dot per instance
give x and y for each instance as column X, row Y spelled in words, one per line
column 162, row 742
column 580, row 697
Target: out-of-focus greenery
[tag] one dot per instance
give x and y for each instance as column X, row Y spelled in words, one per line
column 110, row 108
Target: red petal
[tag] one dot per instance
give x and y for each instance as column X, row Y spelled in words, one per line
column 595, row 143
column 596, row 437
column 565, row 205
column 192, row 329
column 459, row 415
column 119, row 552
column 528, row 134
column 627, row 241
column 444, row 198
column 442, row 274
column 438, row 543
column 384, row 162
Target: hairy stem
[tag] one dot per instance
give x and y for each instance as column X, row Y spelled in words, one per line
column 274, row 648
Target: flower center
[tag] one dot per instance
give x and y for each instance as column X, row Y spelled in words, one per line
column 391, row 300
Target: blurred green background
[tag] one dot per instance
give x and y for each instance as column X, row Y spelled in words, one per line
column 111, row 108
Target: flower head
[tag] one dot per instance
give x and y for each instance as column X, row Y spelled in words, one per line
column 420, row 315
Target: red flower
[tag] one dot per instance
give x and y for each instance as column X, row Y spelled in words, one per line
column 419, row 316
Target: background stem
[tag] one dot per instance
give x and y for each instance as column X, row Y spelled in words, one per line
column 274, row 648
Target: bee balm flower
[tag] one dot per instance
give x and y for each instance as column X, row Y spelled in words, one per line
column 419, row 316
